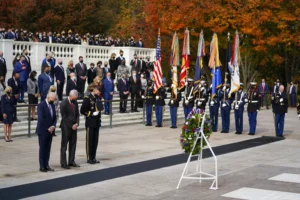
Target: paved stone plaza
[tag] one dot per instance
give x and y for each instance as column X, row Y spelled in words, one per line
column 270, row 171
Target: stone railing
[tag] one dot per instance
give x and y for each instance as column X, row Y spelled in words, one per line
column 38, row 51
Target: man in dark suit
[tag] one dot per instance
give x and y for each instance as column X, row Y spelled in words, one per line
column 11, row 35
column 123, row 88
column 263, row 91
column 91, row 109
column 45, row 128
column 14, row 83
column 120, row 58
column 44, row 82
column 49, row 61
column 3, row 68
column 60, row 77
column 69, row 123
column 135, row 90
column 106, row 69
column 50, row 39
column 22, row 68
column 135, row 65
column 81, row 71
column 280, row 108
column 140, row 43
column 108, row 92
column 91, row 74
column 143, row 66
column 27, row 60
column 71, row 84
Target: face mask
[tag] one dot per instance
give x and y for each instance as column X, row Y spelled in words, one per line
column 60, row 63
column 81, row 61
column 47, row 71
column 53, row 90
column 73, row 101
column 108, row 77
column 121, row 54
column 149, row 84
column 51, row 102
column 142, row 76
column 134, row 74
column 123, row 77
column 102, row 66
column 8, row 93
column 74, row 79
column 18, row 58
column 105, row 65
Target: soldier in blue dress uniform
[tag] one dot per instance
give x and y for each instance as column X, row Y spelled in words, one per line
column 174, row 104
column 238, row 107
column 214, row 104
column 201, row 95
column 149, row 98
column 280, row 108
column 189, row 100
column 225, row 107
column 159, row 103
column 252, row 99
column 91, row 108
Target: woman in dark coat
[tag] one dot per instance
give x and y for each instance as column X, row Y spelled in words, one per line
column 113, row 65
column 8, row 109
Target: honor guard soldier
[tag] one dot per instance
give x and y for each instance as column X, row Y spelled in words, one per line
column 201, row 96
column 159, row 103
column 214, row 104
column 238, row 107
column 91, row 108
column 188, row 101
column 252, row 99
column 58, row 38
column 149, row 98
column 63, row 37
column 174, row 104
column 225, row 108
column 280, row 108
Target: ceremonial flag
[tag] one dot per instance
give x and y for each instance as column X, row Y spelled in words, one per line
column 174, row 58
column 185, row 65
column 228, row 55
column 157, row 75
column 174, row 62
column 234, row 65
column 214, row 64
column 200, row 54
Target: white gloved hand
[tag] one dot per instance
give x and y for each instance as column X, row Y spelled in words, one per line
column 95, row 113
column 157, row 97
column 210, row 86
column 172, row 86
column 202, row 88
column 281, row 100
column 143, row 97
column 257, row 110
column 186, row 83
column 246, row 100
column 224, row 88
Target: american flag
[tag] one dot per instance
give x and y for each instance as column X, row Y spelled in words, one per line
column 157, row 75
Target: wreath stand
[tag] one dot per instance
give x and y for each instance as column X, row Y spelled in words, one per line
column 199, row 174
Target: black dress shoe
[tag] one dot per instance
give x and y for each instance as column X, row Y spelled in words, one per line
column 251, row 133
column 225, row 131
column 222, row 131
column 96, row 161
column 43, row 170
column 73, row 165
column 17, row 120
column 91, row 162
column 236, row 132
column 136, row 111
column 172, row 127
column 65, row 166
column 49, row 169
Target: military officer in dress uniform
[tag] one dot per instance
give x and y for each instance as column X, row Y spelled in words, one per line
column 149, row 97
column 214, row 104
column 174, row 104
column 238, row 107
column 225, row 107
column 201, row 96
column 280, row 108
column 188, row 101
column 159, row 103
column 91, row 108
column 252, row 99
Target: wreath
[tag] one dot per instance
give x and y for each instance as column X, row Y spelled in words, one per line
column 191, row 129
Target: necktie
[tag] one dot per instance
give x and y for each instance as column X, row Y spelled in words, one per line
column 74, row 82
column 50, row 79
column 124, row 81
column 50, row 109
column 82, row 66
column 72, row 106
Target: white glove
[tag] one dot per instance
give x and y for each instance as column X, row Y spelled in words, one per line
column 202, row 88
column 143, row 97
column 224, row 88
column 281, row 100
column 210, row 86
column 257, row 110
column 172, row 86
column 157, row 97
column 246, row 100
column 186, row 83
column 96, row 113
